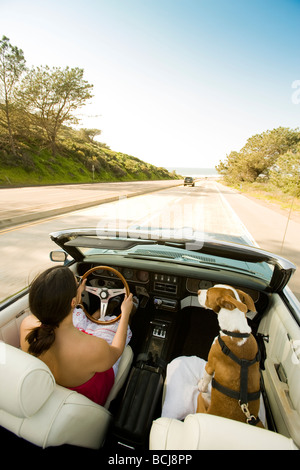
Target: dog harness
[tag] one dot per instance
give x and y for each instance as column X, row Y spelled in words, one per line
column 242, row 395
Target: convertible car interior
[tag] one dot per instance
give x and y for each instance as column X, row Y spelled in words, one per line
column 169, row 323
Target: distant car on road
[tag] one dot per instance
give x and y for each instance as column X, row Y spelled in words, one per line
column 189, row 181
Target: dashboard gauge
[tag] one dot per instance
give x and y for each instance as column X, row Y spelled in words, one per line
column 128, row 273
column 111, row 273
column 99, row 271
column 205, row 284
column 193, row 285
column 143, row 276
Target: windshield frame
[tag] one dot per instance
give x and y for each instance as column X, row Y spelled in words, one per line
column 113, row 241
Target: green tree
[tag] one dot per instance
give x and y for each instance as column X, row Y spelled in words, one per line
column 262, row 150
column 286, row 173
column 230, row 168
column 89, row 135
column 259, row 155
column 51, row 96
column 12, row 65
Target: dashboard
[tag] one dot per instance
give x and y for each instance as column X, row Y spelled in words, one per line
column 155, row 284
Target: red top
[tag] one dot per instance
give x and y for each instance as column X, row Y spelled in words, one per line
column 97, row 387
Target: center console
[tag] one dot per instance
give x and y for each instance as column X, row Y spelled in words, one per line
column 142, row 396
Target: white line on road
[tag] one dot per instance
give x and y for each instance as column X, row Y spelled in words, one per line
column 237, row 219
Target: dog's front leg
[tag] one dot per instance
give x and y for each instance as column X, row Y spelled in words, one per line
column 204, row 382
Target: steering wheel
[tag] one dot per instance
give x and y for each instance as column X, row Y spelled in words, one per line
column 105, row 294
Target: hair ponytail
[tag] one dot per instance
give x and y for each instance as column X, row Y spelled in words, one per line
column 40, row 339
column 50, row 298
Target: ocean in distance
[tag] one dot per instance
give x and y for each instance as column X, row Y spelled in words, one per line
column 195, row 172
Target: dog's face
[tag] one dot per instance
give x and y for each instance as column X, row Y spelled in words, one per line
column 221, row 296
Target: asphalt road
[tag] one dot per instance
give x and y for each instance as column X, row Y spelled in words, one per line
column 208, row 207
column 270, row 228
column 21, row 205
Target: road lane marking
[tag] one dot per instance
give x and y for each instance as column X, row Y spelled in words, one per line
column 237, row 219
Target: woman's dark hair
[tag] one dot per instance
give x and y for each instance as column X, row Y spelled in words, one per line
column 50, row 298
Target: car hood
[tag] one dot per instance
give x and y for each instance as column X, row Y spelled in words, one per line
column 187, row 248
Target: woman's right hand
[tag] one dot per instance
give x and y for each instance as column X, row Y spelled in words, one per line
column 127, row 305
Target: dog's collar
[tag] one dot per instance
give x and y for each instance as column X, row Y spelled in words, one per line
column 235, row 334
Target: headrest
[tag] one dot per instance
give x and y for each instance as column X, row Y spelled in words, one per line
column 26, row 382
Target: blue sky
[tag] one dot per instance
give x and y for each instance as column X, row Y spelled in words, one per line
column 176, row 82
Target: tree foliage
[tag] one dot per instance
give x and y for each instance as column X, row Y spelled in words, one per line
column 50, row 96
column 89, row 134
column 285, row 174
column 12, row 65
column 36, row 103
column 38, row 107
column 272, row 155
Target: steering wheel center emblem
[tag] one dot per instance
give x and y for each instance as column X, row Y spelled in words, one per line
column 104, row 294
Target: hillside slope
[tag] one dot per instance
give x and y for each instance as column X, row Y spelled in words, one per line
column 78, row 160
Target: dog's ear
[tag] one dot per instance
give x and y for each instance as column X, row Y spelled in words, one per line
column 230, row 303
column 247, row 300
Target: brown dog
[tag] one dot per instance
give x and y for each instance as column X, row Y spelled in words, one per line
column 235, row 384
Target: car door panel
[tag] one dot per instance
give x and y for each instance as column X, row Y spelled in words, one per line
column 282, row 367
column 10, row 320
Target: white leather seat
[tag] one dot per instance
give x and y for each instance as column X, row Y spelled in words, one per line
column 35, row 408
column 123, row 370
column 208, row 432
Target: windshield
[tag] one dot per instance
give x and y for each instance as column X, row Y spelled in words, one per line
column 261, row 270
column 184, row 249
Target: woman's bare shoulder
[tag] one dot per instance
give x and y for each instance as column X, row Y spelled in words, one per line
column 96, row 351
column 90, row 342
column 30, row 322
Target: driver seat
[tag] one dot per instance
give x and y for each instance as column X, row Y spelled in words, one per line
column 35, row 408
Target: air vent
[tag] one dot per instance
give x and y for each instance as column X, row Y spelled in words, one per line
column 164, row 287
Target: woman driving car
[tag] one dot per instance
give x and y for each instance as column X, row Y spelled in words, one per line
column 79, row 361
